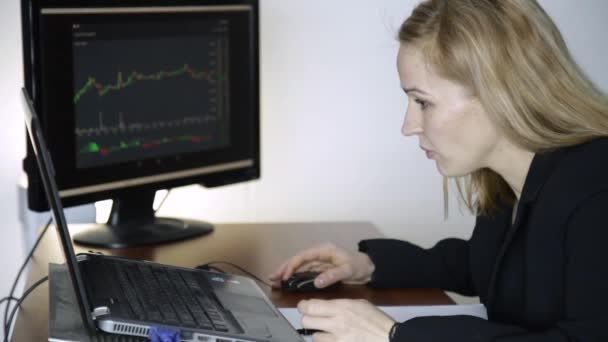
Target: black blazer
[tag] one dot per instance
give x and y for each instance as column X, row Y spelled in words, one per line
column 544, row 278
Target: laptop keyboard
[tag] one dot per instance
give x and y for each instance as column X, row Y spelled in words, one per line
column 169, row 296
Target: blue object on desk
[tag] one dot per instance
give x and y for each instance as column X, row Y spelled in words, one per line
column 163, row 335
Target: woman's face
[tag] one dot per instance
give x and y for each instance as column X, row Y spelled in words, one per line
column 452, row 126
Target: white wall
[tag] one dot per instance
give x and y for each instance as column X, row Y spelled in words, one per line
column 12, row 140
column 332, row 112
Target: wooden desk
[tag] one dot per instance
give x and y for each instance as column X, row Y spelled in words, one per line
column 259, row 248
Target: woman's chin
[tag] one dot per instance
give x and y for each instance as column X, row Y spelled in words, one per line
column 441, row 168
column 447, row 171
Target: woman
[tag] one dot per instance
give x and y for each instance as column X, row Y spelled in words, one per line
column 497, row 102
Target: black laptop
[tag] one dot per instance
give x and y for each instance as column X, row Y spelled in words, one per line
column 130, row 297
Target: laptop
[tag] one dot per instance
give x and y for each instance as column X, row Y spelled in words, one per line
column 131, row 297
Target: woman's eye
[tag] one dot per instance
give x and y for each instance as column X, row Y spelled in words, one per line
column 423, row 104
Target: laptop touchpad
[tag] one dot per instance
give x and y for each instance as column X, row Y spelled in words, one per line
column 243, row 303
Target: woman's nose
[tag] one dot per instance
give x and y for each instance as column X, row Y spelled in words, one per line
column 411, row 123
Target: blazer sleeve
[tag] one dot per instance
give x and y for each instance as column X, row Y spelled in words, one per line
column 586, row 293
column 400, row 264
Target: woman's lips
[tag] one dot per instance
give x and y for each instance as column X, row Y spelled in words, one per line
column 429, row 154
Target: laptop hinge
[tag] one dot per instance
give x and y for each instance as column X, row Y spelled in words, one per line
column 100, row 311
column 82, row 257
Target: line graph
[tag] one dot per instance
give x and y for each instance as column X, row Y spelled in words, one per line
column 134, row 77
column 148, row 98
column 121, row 127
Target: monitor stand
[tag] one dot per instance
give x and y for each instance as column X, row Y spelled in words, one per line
column 132, row 223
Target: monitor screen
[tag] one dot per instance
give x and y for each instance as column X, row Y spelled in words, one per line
column 142, row 91
column 134, row 98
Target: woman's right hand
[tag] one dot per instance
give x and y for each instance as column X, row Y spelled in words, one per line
column 335, row 264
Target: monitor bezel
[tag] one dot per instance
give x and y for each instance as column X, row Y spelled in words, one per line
column 238, row 169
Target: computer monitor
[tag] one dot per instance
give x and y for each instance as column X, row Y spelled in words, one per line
column 136, row 96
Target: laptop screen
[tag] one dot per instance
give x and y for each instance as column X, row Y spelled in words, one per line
column 45, row 165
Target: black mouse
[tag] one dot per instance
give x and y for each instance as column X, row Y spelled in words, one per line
column 304, row 282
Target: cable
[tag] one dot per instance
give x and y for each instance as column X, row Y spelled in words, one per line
column 25, row 294
column 9, row 298
column 27, row 259
column 208, row 265
column 216, row 269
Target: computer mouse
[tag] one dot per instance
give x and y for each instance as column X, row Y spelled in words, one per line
column 304, row 282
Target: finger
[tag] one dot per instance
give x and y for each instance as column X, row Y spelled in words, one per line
column 292, row 265
column 323, row 337
column 276, row 275
column 288, row 268
column 276, row 284
column 282, row 273
column 320, row 253
column 322, row 308
column 326, row 324
column 322, row 267
column 312, row 266
column 308, row 255
column 333, row 275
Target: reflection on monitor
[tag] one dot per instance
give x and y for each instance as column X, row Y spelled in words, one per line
column 135, row 99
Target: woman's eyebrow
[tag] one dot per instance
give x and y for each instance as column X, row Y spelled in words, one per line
column 408, row 90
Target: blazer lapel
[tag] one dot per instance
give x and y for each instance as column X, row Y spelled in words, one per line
column 543, row 164
column 522, row 211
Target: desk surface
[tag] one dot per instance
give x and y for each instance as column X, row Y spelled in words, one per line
column 259, row 248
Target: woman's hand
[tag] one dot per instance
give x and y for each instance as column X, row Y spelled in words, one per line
column 345, row 320
column 334, row 263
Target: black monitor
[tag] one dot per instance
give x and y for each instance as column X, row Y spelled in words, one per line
column 136, row 96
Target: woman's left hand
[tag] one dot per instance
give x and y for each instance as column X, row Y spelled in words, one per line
column 345, row 320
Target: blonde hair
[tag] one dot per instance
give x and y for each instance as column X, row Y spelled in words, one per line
column 512, row 57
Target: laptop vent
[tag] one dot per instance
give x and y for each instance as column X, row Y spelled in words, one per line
column 131, row 329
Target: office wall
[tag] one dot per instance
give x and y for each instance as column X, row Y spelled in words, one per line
column 12, row 139
column 332, row 111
